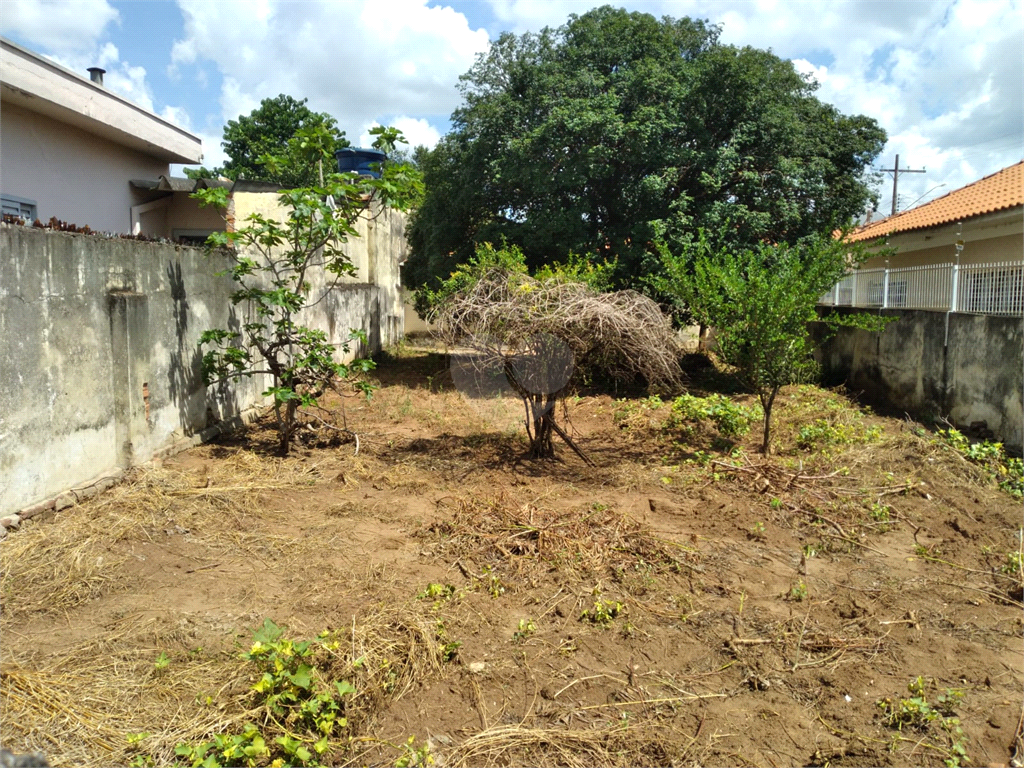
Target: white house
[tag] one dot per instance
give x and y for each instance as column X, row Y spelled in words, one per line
column 69, row 147
column 961, row 252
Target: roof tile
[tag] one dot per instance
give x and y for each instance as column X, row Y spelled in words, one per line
column 999, row 191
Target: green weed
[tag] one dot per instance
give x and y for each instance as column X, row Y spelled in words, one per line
column 526, row 629
column 931, row 718
column 798, row 593
column 295, row 699
column 493, row 582
column 1007, row 471
column 729, row 418
column 413, row 756
column 822, row 433
column 604, row 612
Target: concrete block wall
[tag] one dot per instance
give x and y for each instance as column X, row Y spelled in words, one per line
column 964, row 367
column 100, row 366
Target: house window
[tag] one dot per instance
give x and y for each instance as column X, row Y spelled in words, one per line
column 19, row 206
column 897, row 293
column 993, row 291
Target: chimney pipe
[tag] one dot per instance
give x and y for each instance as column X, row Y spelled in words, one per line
column 96, row 75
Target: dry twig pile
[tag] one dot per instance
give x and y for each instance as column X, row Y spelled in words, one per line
column 541, row 333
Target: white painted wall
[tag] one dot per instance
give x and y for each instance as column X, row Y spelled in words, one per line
column 37, row 84
column 73, row 175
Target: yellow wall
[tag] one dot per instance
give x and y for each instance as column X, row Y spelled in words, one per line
column 996, row 238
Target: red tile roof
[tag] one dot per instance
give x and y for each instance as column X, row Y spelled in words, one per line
column 1003, row 189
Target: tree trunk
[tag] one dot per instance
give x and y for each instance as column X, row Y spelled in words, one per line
column 286, row 426
column 539, row 419
column 767, row 401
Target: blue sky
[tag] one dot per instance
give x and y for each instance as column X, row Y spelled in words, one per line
column 943, row 78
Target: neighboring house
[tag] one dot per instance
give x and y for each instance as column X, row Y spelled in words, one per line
column 960, row 252
column 170, row 212
column 69, row 147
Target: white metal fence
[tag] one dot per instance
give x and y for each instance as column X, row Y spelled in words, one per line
column 995, row 288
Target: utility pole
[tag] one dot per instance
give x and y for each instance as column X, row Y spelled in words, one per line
column 896, row 171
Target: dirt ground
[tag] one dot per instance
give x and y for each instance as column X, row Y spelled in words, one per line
column 681, row 602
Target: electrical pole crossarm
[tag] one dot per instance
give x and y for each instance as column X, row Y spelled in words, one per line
column 896, row 171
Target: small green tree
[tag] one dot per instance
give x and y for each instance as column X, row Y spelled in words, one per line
column 273, row 264
column 760, row 302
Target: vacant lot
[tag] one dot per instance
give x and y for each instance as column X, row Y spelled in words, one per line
column 856, row 600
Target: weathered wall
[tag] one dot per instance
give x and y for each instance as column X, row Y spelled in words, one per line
column 99, row 358
column 976, row 373
column 376, row 253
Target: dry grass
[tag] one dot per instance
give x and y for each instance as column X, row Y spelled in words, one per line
column 647, row 744
column 52, row 568
column 578, row 541
column 80, row 708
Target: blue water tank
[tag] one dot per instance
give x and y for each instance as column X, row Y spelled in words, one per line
column 366, row 162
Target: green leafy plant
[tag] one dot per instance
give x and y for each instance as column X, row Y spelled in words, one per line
column 141, row 760
column 1007, row 471
column 244, row 749
column 1014, row 564
column 493, row 582
column 823, row 432
column 274, row 264
column 798, row 592
column 526, row 629
column 757, row 530
column 162, row 662
column 730, row 419
column 449, row 647
column 413, row 756
column 880, row 512
column 603, row 612
column 438, row 592
column 937, row 717
column 296, row 699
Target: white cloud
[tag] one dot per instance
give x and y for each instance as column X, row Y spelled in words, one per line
column 57, row 25
column 348, row 59
column 417, row 131
column 179, row 116
column 213, row 154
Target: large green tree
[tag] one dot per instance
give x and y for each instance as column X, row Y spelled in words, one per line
column 265, row 133
column 618, row 132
